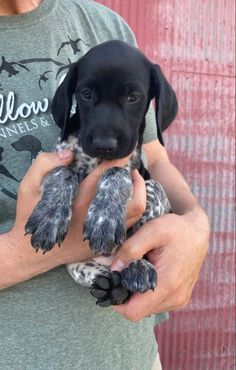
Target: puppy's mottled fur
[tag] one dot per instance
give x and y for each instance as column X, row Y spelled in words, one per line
column 113, row 85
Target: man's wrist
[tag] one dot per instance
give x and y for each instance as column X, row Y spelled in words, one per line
column 198, row 218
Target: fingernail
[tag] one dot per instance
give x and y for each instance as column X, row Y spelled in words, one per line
column 118, row 265
column 65, row 154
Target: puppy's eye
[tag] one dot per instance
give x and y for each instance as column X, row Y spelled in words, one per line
column 86, row 93
column 132, row 98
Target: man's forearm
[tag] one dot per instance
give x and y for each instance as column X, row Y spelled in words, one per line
column 20, row 262
column 177, row 190
column 182, row 201
column 162, row 170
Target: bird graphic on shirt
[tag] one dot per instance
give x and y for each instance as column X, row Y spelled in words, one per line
column 43, row 78
column 73, row 44
column 4, row 171
column 8, row 192
column 9, row 67
column 61, row 69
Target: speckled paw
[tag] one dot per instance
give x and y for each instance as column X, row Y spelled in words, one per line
column 47, row 227
column 139, row 276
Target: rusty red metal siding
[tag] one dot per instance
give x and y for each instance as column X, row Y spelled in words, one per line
column 194, row 42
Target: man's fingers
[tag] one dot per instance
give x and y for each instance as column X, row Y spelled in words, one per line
column 145, row 239
column 146, row 304
column 137, row 307
column 132, row 221
column 140, row 306
column 164, row 298
column 137, row 204
column 44, row 163
column 161, row 300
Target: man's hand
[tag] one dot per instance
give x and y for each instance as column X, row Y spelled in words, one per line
column 175, row 243
column 176, row 246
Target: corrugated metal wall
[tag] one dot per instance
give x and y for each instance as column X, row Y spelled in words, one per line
column 194, row 43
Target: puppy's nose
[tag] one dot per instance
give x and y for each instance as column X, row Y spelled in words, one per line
column 105, row 144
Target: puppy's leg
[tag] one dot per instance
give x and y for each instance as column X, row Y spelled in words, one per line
column 105, row 223
column 157, row 202
column 49, row 221
column 104, row 284
column 140, row 276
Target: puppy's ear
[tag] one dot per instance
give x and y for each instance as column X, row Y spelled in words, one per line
column 62, row 101
column 165, row 100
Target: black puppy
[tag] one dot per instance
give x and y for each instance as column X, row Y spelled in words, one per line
column 113, row 85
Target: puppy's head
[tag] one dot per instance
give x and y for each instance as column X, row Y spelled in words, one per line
column 113, row 85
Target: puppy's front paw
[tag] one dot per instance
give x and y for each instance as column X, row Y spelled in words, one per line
column 104, row 228
column 108, row 290
column 139, row 276
column 48, row 226
column 105, row 223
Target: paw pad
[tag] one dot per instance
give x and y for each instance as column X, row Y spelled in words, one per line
column 108, row 290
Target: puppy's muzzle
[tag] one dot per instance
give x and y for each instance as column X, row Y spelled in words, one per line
column 104, row 146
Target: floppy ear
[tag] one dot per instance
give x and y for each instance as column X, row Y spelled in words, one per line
column 165, row 100
column 62, row 101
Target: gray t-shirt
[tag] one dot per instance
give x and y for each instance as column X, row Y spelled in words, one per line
column 50, row 322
